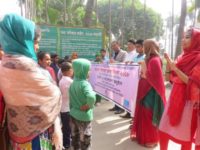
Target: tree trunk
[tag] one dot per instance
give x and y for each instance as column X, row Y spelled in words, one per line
column 31, row 7
column 25, row 8
column 46, row 12
column 110, row 31
column 65, row 12
column 172, row 29
column 133, row 9
column 122, row 25
column 181, row 26
column 96, row 11
column 88, row 14
column 21, row 7
column 195, row 12
column 144, row 32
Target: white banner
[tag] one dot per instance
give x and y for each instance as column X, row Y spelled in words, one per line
column 116, row 82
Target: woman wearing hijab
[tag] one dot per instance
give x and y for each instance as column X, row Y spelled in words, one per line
column 181, row 119
column 33, row 102
column 150, row 98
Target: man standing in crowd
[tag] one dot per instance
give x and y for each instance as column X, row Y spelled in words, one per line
column 119, row 55
column 54, row 64
column 131, row 51
column 140, row 52
column 104, row 58
column 131, row 55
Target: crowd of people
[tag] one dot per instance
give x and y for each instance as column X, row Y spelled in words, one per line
column 47, row 102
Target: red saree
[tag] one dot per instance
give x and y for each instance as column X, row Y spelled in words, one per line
column 181, row 92
column 150, row 103
column 181, row 119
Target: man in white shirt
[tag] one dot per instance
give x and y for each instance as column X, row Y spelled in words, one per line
column 131, row 51
column 130, row 56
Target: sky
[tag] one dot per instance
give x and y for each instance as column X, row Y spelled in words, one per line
column 8, row 6
column 164, row 7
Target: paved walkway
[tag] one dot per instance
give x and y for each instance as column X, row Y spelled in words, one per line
column 110, row 132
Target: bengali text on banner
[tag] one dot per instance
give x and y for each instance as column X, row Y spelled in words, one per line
column 117, row 83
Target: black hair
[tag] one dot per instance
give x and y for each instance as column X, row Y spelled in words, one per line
column 60, row 61
column 66, row 66
column 140, row 42
column 132, row 41
column 66, row 58
column 37, row 36
column 102, row 50
column 41, row 55
column 53, row 56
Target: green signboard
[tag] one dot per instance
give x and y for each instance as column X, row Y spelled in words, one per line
column 49, row 40
column 63, row 41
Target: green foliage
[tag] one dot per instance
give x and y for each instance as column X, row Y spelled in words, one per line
column 135, row 26
column 39, row 4
column 191, row 8
column 53, row 15
column 195, row 4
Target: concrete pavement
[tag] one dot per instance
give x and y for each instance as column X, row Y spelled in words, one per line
column 111, row 132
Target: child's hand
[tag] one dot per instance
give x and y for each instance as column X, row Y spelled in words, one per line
column 84, row 107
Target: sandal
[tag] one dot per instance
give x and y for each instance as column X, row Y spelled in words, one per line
column 133, row 138
column 150, row 145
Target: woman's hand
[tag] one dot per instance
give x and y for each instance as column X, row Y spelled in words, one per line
column 143, row 69
column 170, row 63
column 173, row 67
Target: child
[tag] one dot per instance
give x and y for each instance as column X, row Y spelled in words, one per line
column 82, row 100
column 44, row 61
column 64, row 85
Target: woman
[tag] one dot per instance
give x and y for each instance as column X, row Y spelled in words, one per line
column 33, row 102
column 150, row 98
column 181, row 119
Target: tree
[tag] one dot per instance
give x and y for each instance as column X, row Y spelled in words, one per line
column 46, row 11
column 181, row 26
column 192, row 11
column 133, row 28
column 89, row 11
column 21, row 2
column 27, row 8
